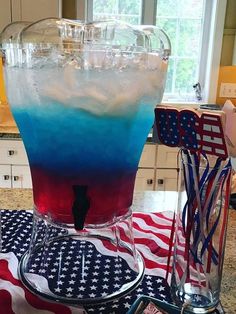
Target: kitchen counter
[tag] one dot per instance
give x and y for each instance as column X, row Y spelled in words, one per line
column 22, row 199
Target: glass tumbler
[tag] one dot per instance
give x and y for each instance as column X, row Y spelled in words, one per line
column 83, row 96
column 201, row 223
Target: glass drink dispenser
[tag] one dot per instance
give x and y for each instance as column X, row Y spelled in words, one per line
column 83, row 97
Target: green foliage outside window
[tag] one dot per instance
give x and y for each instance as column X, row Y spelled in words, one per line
column 182, row 22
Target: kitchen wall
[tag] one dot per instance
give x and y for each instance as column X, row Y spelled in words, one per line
column 227, row 70
column 229, row 34
column 68, row 9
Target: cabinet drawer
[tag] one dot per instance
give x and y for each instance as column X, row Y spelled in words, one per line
column 166, row 180
column 5, row 176
column 21, row 177
column 12, row 152
column 148, row 156
column 167, row 157
column 144, row 180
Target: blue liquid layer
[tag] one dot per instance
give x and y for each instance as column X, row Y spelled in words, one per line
column 71, row 141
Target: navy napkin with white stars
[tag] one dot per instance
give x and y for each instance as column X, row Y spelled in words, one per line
column 16, row 231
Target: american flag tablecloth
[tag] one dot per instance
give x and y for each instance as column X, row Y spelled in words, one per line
column 152, row 237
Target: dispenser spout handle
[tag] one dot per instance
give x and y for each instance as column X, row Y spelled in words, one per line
column 80, row 206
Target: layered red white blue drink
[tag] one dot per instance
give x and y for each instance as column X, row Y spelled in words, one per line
column 84, row 118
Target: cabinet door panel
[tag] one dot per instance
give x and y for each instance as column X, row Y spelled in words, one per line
column 144, row 180
column 167, row 157
column 166, row 180
column 12, row 152
column 5, row 13
column 148, row 156
column 21, row 177
column 33, row 10
column 5, row 176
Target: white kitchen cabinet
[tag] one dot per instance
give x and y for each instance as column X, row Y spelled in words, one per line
column 148, row 157
column 166, row 168
column 27, row 10
column 144, row 180
column 15, row 176
column 14, row 166
column 21, row 177
column 167, row 179
column 167, row 157
column 5, row 13
column 5, row 176
column 12, row 152
column 33, row 10
column 158, row 169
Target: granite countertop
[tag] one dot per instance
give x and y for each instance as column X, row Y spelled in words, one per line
column 22, row 199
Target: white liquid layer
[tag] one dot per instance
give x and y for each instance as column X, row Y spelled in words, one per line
column 98, row 91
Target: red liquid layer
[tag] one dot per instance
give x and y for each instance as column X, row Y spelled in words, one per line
column 54, row 195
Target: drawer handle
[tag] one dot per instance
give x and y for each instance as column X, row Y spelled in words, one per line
column 160, row 181
column 11, row 152
column 149, row 181
column 6, row 177
column 16, row 178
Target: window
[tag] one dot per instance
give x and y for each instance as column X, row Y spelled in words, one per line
column 128, row 11
column 183, row 22
column 191, row 26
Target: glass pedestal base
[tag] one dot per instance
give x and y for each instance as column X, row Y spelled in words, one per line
column 194, row 299
column 96, row 265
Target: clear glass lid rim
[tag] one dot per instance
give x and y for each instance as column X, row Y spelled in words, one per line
column 69, row 47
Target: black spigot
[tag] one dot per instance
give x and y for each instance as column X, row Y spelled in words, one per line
column 80, row 206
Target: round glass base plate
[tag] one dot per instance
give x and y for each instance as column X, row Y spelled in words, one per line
column 82, row 268
column 195, row 299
